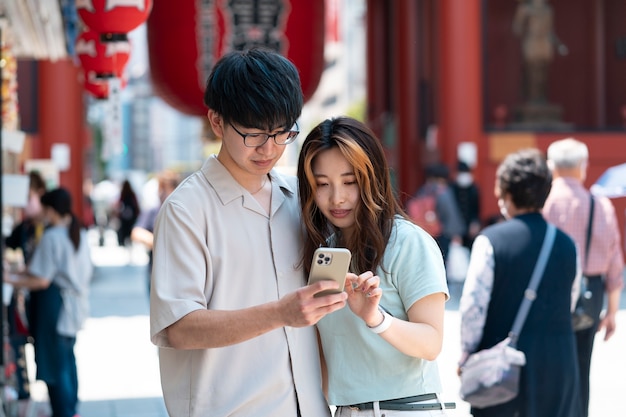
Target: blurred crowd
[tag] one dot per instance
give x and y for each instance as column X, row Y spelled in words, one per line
column 48, row 270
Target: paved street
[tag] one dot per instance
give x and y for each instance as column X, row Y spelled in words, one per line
column 118, row 366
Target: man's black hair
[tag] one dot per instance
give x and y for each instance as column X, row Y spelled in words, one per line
column 256, row 89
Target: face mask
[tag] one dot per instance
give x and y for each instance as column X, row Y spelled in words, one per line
column 464, row 179
column 33, row 207
column 503, row 209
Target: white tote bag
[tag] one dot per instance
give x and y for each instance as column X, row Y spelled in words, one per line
column 457, row 262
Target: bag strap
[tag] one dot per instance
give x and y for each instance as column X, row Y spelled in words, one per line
column 589, row 226
column 531, row 292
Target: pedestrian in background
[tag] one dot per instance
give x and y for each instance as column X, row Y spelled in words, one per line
column 438, row 212
column 568, row 208
column 143, row 230
column 127, row 211
column 467, row 197
column 58, row 277
column 229, row 308
column 502, row 260
column 376, row 357
column 25, row 236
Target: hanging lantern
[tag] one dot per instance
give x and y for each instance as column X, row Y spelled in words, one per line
column 98, row 87
column 198, row 33
column 113, row 16
column 105, row 59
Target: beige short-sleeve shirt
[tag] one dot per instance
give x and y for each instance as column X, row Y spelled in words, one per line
column 216, row 248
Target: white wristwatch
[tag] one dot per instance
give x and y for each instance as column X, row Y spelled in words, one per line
column 384, row 325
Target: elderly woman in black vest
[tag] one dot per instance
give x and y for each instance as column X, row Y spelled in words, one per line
column 502, row 260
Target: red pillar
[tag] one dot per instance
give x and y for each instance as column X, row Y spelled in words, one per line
column 405, row 76
column 599, row 70
column 61, row 120
column 377, row 65
column 460, row 107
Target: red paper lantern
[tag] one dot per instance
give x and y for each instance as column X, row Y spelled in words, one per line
column 97, row 87
column 113, row 16
column 106, row 59
column 185, row 39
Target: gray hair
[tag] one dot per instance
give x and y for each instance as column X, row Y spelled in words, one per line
column 567, row 153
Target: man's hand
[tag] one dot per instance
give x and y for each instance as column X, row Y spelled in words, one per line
column 608, row 324
column 206, row 329
column 301, row 308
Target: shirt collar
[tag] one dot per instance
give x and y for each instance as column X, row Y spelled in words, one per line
column 228, row 189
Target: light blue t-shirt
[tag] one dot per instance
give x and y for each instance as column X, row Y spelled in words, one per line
column 362, row 366
column 71, row 270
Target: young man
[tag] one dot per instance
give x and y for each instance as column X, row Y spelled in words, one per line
column 568, row 207
column 229, row 307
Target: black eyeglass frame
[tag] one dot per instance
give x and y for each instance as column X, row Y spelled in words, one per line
column 291, row 137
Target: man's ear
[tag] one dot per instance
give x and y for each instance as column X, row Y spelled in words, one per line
column 216, row 122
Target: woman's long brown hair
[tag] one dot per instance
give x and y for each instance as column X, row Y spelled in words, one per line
column 374, row 216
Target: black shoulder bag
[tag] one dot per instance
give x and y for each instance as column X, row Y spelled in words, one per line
column 581, row 319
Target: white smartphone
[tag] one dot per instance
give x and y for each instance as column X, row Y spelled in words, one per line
column 330, row 263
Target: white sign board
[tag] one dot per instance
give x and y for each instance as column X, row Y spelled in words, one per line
column 13, row 140
column 15, row 190
column 60, row 153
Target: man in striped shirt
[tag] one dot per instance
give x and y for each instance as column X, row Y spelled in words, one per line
column 568, row 207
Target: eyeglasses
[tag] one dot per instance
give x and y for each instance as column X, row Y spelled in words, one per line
column 254, row 140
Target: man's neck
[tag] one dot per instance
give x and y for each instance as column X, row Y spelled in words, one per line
column 574, row 173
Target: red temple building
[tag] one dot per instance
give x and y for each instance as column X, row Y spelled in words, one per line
column 448, row 74
column 443, row 77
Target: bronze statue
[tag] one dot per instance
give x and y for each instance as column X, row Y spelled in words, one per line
column 533, row 22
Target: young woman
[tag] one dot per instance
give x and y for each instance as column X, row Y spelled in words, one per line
column 379, row 353
column 58, row 277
